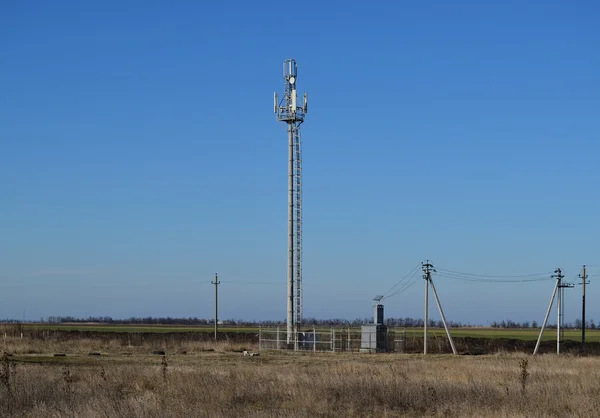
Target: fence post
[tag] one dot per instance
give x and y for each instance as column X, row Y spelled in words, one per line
column 387, row 340
column 295, row 334
column 277, row 338
column 314, row 340
column 259, row 337
column 333, row 339
column 348, row 345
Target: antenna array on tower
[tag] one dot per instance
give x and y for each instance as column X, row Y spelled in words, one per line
column 289, row 112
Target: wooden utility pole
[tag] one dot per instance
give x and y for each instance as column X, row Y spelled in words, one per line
column 216, row 283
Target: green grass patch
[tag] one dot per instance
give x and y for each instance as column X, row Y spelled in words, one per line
column 474, row 332
column 517, row 334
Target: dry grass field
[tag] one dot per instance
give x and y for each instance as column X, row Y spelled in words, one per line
column 191, row 380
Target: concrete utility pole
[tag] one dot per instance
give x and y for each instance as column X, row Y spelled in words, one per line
column 439, row 305
column 537, row 345
column 216, row 283
column 427, row 269
column 561, row 308
column 559, row 276
column 558, row 289
column 583, row 283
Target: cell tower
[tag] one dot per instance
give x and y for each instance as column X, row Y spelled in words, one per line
column 288, row 111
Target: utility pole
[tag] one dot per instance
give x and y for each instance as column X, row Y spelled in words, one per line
column 437, row 301
column 558, row 290
column 559, row 276
column 427, row 269
column 584, row 281
column 561, row 308
column 537, row 345
column 216, row 283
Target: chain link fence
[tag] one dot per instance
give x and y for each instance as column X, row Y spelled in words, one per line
column 330, row 339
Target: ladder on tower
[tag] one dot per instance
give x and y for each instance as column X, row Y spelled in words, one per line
column 298, row 225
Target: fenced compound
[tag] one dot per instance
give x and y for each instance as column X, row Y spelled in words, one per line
column 332, row 339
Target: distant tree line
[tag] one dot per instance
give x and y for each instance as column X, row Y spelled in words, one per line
column 392, row 322
column 149, row 320
column 332, row 322
column 534, row 324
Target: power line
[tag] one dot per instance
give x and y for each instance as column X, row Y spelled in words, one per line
column 409, row 285
column 415, row 278
column 483, row 280
column 493, row 276
column 404, row 278
column 259, row 283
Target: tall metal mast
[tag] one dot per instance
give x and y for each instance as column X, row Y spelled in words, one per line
column 288, row 111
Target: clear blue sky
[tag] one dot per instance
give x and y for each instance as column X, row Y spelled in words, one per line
column 139, row 155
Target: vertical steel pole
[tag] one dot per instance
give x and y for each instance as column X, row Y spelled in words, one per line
column 537, row 345
column 314, row 340
column 216, row 283
column 216, row 307
column 437, row 300
column 560, row 291
column 426, row 314
column 583, row 278
column 562, row 314
column 290, row 278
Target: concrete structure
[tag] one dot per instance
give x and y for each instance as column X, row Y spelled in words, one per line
column 374, row 337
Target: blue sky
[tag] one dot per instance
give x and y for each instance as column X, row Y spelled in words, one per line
column 139, row 155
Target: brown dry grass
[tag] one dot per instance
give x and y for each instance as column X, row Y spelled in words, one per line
column 226, row 384
column 84, row 345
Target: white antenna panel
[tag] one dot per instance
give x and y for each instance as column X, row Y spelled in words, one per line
column 305, row 107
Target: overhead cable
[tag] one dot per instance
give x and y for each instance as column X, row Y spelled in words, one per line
column 492, row 276
column 413, row 279
column 404, row 278
column 483, row 280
